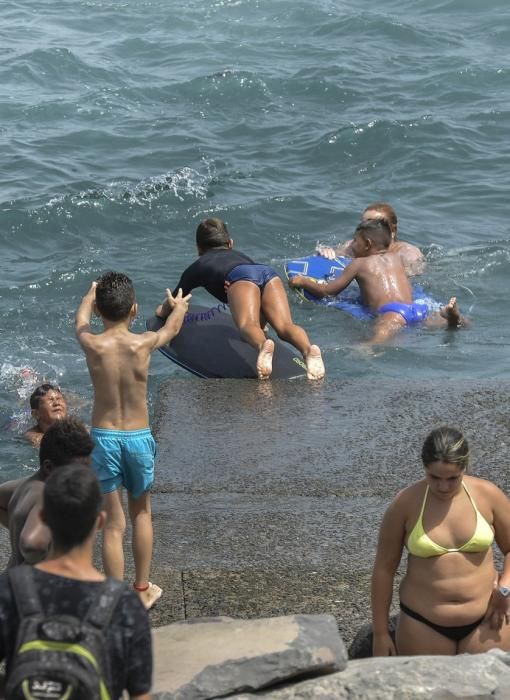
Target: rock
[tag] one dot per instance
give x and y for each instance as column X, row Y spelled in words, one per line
column 469, row 676
column 361, row 645
column 213, row 657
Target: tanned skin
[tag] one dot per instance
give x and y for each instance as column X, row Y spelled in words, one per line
column 118, row 362
column 382, row 279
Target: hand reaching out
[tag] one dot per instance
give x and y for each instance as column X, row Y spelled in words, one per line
column 324, row 252
column 177, row 301
column 295, row 281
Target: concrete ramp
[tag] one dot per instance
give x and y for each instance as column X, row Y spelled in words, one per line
column 269, row 495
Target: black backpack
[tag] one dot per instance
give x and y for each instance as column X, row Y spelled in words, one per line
column 59, row 657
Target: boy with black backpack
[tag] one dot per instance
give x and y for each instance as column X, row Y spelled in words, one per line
column 65, row 630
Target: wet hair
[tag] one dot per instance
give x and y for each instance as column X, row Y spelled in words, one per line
column 387, row 212
column 212, row 233
column 445, row 445
column 72, row 501
column 38, row 394
column 377, row 230
column 64, row 441
column 115, row 296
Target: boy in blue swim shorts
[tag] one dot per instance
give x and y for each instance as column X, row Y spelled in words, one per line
column 254, row 293
column 125, row 451
column 384, row 285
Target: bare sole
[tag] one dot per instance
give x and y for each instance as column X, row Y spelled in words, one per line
column 265, row 360
column 314, row 364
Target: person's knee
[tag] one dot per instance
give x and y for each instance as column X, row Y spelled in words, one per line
column 285, row 329
column 248, row 325
column 115, row 526
column 141, row 514
column 139, row 507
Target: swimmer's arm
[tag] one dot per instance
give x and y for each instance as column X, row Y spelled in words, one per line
column 178, row 306
column 190, row 280
column 84, row 313
column 344, row 249
column 330, row 289
column 6, row 491
column 35, row 537
column 414, row 261
column 34, row 436
column 389, row 553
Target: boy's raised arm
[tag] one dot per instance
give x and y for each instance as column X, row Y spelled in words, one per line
column 176, row 307
column 330, row 289
column 84, row 313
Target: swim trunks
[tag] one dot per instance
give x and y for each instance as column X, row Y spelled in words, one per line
column 124, row 458
column 259, row 274
column 411, row 313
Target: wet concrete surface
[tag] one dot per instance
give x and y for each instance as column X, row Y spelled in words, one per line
column 268, row 496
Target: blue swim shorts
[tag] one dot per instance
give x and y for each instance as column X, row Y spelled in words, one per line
column 259, row 274
column 412, row 313
column 124, row 458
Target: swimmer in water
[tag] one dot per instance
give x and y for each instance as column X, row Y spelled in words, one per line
column 384, row 286
column 412, row 257
column 254, row 293
column 48, row 405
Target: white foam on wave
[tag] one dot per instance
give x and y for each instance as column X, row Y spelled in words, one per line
column 183, row 183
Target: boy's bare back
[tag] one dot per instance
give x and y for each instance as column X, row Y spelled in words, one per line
column 382, row 279
column 118, row 362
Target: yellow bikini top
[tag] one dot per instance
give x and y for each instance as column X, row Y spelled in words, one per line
column 420, row 544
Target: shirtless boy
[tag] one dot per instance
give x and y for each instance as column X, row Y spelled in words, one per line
column 47, row 404
column 254, row 293
column 411, row 255
column 67, row 441
column 118, row 362
column 384, row 286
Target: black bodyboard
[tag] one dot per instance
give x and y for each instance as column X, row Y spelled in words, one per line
column 210, row 346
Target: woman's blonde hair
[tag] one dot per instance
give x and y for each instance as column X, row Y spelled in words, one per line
column 445, row 445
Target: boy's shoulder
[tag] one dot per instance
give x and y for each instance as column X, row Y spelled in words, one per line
column 32, row 484
column 105, row 340
column 27, row 493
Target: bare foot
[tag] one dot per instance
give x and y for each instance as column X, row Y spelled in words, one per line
column 150, row 595
column 265, row 360
column 452, row 314
column 314, row 364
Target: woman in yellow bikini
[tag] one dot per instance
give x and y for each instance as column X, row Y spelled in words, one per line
column 452, row 599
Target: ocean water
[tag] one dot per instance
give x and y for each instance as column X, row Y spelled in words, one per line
column 123, row 122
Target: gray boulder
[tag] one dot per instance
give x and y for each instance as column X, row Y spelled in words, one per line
column 213, row 657
column 473, row 677
column 361, row 645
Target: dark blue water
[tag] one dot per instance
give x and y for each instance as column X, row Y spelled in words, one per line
column 123, row 123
